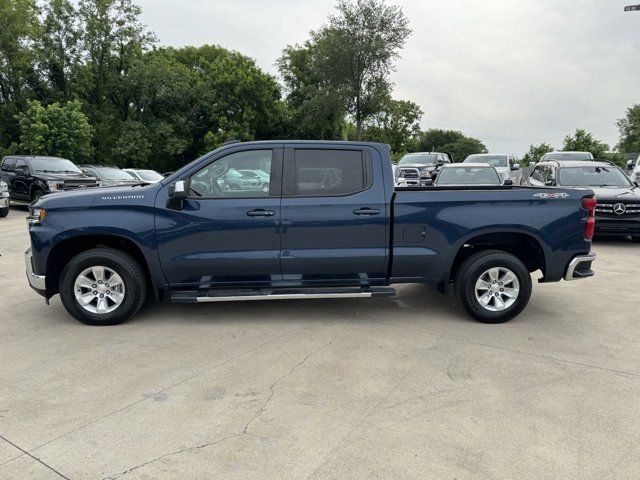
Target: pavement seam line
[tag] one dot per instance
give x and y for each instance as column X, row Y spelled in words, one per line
column 33, row 457
column 203, row 372
column 244, row 431
column 511, row 350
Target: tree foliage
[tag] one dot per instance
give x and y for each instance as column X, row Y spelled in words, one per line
column 59, row 130
column 583, row 141
column 629, row 128
column 398, row 125
column 454, row 142
column 536, row 152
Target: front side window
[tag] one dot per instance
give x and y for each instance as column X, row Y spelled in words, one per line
column 329, row 172
column 8, row 164
column 224, row 178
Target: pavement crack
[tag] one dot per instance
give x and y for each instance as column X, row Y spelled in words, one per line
column 264, row 405
column 244, row 431
column 170, row 454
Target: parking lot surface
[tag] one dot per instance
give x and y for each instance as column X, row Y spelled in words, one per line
column 406, row 388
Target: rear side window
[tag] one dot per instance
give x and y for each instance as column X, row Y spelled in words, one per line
column 329, row 172
column 8, row 163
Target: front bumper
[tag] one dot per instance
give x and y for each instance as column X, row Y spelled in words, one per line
column 37, row 282
column 580, row 267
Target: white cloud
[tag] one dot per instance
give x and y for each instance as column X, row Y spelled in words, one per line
column 510, row 72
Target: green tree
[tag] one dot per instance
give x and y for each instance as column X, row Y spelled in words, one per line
column 398, row 125
column 355, row 52
column 536, row 152
column 463, row 147
column 629, row 128
column 19, row 27
column 583, row 141
column 60, row 130
column 59, row 46
column 316, row 110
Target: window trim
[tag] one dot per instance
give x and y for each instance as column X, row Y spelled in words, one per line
column 275, row 179
column 289, row 181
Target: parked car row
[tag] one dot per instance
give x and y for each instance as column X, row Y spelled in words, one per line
column 26, row 178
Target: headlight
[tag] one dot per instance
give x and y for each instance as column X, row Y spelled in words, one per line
column 55, row 185
column 3, row 186
column 425, row 174
column 37, row 216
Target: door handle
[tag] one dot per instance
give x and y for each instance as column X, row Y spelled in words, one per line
column 366, row 211
column 260, row 212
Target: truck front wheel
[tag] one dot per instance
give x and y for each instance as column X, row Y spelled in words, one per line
column 102, row 286
column 493, row 286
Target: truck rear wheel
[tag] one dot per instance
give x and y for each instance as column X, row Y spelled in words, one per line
column 493, row 286
column 103, row 286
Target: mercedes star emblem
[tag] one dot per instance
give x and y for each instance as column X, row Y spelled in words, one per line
column 619, row 208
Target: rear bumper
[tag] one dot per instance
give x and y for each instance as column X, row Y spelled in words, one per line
column 580, row 267
column 37, row 282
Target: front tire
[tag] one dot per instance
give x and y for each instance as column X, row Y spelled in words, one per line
column 635, row 238
column 103, row 286
column 493, row 286
column 4, row 212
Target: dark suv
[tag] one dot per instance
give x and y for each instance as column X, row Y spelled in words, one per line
column 30, row 177
column 618, row 209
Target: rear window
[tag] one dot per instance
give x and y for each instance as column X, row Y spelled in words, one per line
column 495, row 160
column 329, row 172
column 568, row 156
column 468, row 176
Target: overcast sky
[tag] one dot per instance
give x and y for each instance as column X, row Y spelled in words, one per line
column 510, row 72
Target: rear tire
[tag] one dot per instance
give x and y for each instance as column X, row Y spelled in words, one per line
column 493, row 286
column 99, row 303
column 4, row 212
column 36, row 194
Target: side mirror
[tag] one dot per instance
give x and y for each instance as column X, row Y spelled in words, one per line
column 22, row 169
column 434, row 175
column 508, row 182
column 177, row 194
column 515, row 167
column 629, row 164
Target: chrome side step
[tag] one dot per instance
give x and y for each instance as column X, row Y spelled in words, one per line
column 285, row 294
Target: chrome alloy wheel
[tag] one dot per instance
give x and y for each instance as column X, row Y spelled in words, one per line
column 497, row 289
column 99, row 290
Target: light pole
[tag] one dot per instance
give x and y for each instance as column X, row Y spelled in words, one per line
column 632, row 8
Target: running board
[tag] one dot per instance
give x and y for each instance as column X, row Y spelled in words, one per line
column 193, row 296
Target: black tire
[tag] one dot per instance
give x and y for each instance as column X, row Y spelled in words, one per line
column 472, row 270
column 635, row 238
column 36, row 194
column 124, row 265
column 4, row 212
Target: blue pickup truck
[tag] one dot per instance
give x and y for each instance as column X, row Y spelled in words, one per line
column 327, row 222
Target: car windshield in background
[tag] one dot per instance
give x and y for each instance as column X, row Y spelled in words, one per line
column 592, row 177
column 495, row 160
column 149, row 175
column 61, row 165
column 468, row 176
column 568, row 156
column 113, row 174
column 419, row 158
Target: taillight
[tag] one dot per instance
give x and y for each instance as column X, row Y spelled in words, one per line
column 589, row 204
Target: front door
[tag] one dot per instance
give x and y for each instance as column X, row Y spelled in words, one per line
column 227, row 232
column 334, row 217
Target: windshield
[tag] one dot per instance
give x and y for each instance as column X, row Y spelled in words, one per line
column 149, row 175
column 495, row 160
column 592, row 177
column 61, row 165
column 568, row 156
column 468, row 176
column 419, row 158
column 114, row 174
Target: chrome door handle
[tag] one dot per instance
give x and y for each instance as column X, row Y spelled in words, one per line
column 366, row 211
column 259, row 212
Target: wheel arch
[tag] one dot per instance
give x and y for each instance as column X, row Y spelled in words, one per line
column 65, row 250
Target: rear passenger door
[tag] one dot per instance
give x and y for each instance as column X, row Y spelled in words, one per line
column 334, row 227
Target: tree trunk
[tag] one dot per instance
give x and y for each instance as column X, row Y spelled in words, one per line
column 359, row 129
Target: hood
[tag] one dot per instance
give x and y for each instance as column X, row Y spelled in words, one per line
column 101, row 196
column 617, row 193
column 61, row 177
